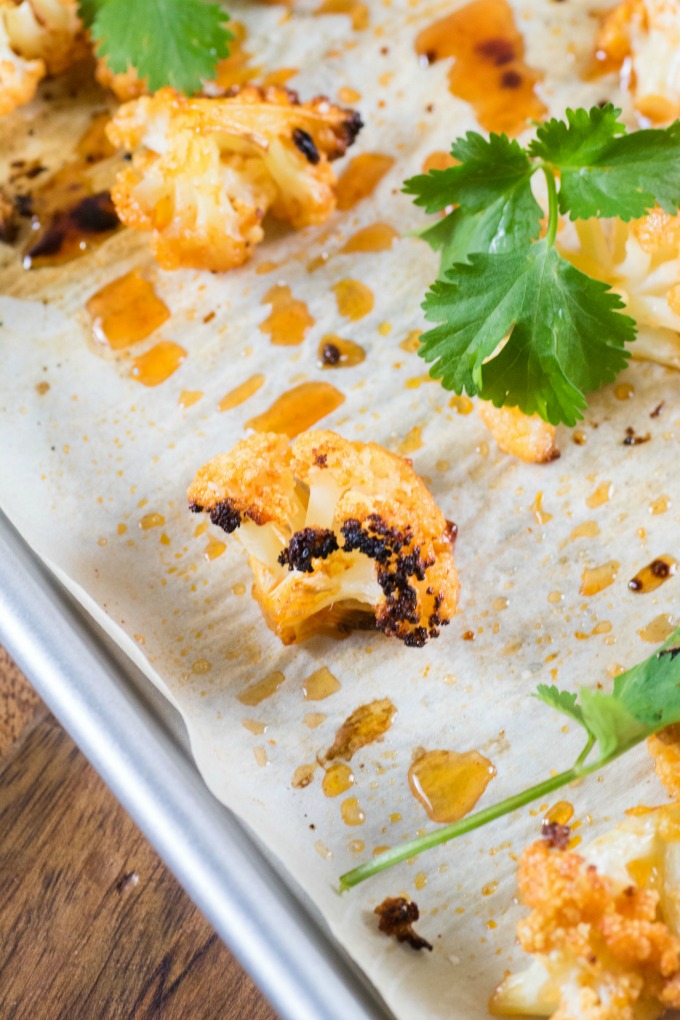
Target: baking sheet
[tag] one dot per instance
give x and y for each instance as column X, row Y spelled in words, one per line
column 87, row 461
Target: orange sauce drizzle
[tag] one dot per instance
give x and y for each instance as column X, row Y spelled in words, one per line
column 155, row 366
column 298, row 409
column 489, row 71
column 126, row 311
column 289, row 318
column 357, row 11
column 335, row 352
column 354, row 299
column 361, row 177
column 376, row 237
column 241, row 393
column 449, row 784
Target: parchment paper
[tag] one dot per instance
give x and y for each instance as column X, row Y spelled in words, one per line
column 81, row 464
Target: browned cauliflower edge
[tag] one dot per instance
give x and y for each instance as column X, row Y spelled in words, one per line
column 603, row 926
column 527, row 437
column 340, row 535
column 206, row 170
column 664, row 747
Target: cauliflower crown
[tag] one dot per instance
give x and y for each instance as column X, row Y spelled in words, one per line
column 206, row 170
column 339, row 533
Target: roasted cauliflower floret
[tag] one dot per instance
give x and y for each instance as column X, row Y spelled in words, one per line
column 648, row 32
column 125, row 85
column 339, row 534
column 18, row 77
column 48, row 30
column 525, row 436
column 664, row 748
column 206, row 170
column 603, row 925
column 640, row 260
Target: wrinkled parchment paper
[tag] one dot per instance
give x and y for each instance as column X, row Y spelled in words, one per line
column 84, row 462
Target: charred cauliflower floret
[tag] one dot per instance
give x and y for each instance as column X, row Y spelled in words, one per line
column 640, row 260
column 37, row 37
column 664, row 748
column 18, row 77
column 603, row 925
column 525, row 436
column 205, row 171
column 339, row 534
column 647, row 32
column 48, row 30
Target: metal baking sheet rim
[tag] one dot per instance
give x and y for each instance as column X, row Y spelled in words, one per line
column 136, row 742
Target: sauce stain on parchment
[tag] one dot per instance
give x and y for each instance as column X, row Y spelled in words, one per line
column 448, row 784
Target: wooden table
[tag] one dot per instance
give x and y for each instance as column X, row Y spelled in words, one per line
column 92, row 925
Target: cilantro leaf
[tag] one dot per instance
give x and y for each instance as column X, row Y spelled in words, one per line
column 606, row 172
column 565, row 333
column 168, row 42
column 87, row 10
column 496, row 210
column 563, row 701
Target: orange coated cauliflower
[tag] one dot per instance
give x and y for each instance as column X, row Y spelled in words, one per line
column 37, row 37
column 603, row 926
column 525, row 436
column 205, row 170
column 664, row 748
column 648, row 32
column 340, row 534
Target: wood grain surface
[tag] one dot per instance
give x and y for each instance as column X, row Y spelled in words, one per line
column 92, row 925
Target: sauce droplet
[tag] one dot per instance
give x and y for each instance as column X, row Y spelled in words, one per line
column 361, row 177
column 602, row 494
column 354, row 299
column 659, row 505
column 241, row 393
column 298, row 409
column 589, row 529
column 214, row 549
column 624, row 391
column 489, row 71
column 351, row 812
column 653, row 575
column 151, row 521
column 320, row 684
column 155, row 366
column 658, row 629
column 541, row 516
column 303, row 776
column 411, row 442
column 449, row 784
column 596, row 579
column 438, row 160
column 255, row 726
column 289, row 318
column 357, row 11
column 412, row 342
column 335, row 352
column 126, row 311
column 364, row 726
column 560, row 813
column 188, row 398
column 261, row 689
column 338, row 779
column 376, row 237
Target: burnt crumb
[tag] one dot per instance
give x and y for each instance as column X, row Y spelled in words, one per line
column 24, row 205
column 307, row 545
column 397, row 917
column 225, row 516
column 555, row 835
column 511, row 80
column 669, row 651
column 307, row 146
column 660, row 568
column 552, row 456
column 634, row 440
column 195, row 508
column 330, row 354
column 95, row 214
column 635, row 584
column 468, row 635
column 351, row 129
column 429, row 56
column 498, row 50
column 657, row 410
column 8, row 220
column 451, row 532
column 35, row 171
column 320, row 459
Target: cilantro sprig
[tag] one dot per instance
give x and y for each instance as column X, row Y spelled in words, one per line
column 168, row 42
column 515, row 322
column 644, row 700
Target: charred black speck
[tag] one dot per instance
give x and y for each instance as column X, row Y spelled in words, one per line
column 352, row 127
column 95, row 214
column 225, row 516
column 555, row 835
column 307, row 146
column 397, row 915
column 498, row 50
column 375, row 540
column 634, row 440
column 307, row 545
column 511, row 80
column 331, row 354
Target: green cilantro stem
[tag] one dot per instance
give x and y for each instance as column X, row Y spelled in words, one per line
column 645, row 699
column 553, row 207
column 448, row 832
